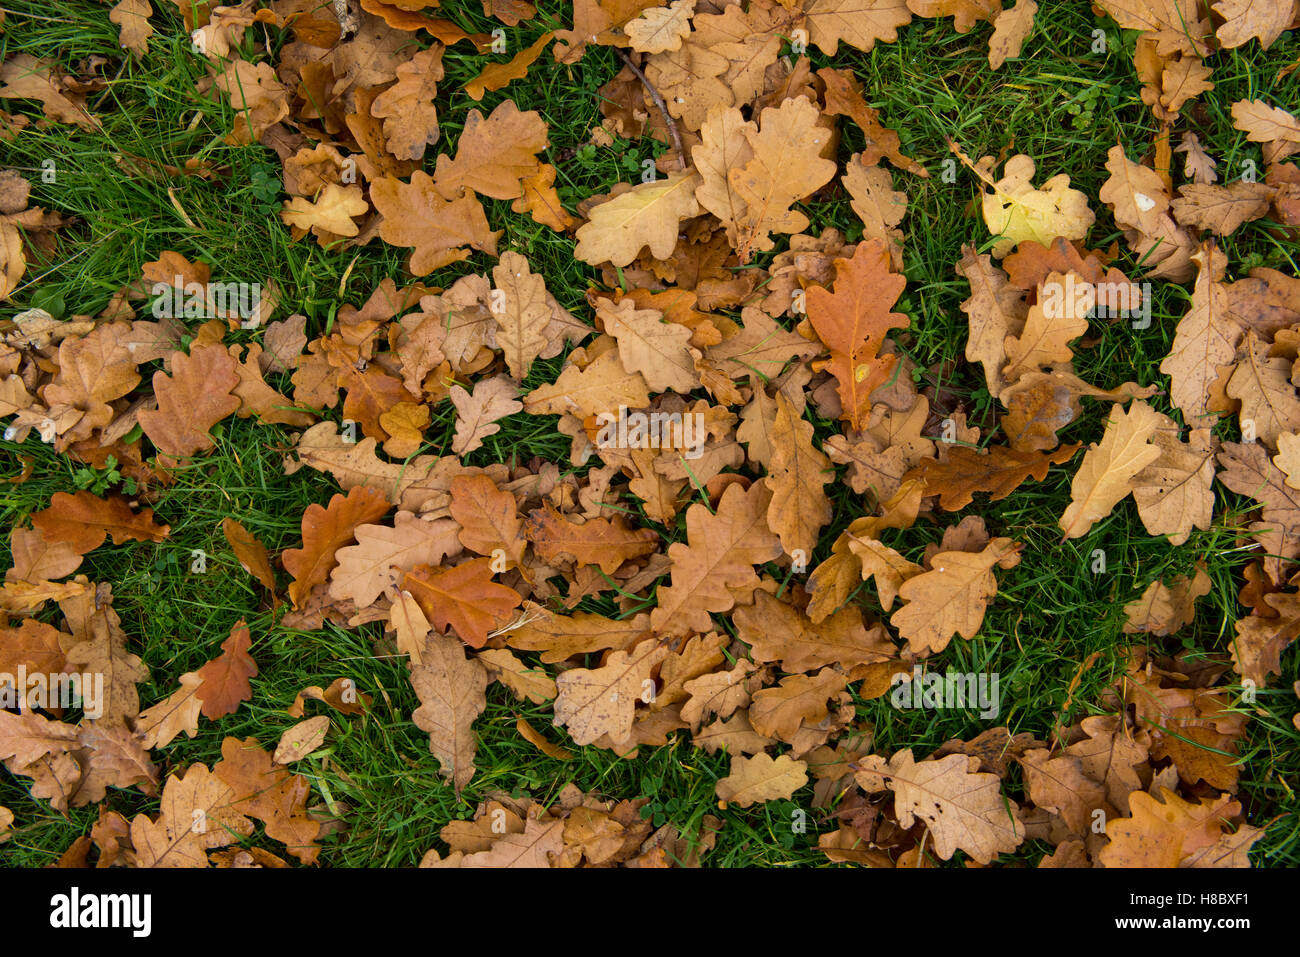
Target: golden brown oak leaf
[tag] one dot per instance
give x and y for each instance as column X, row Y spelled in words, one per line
column 1244, row 19
column 27, row 737
column 541, row 742
column 478, row 412
column 647, row 215
column 489, row 517
column 1262, row 384
column 592, row 702
column 82, row 521
column 98, row 645
column 1010, row 30
column 1259, row 642
column 558, row 637
column 28, row 78
column 660, row 28
column 341, row 695
column 1176, row 24
column 250, row 552
column 1016, row 210
column 407, row 108
column 1164, row 609
column 195, row 397
column 1109, row 468
column 271, row 794
column 779, row 712
column 178, row 712
column 196, row 814
column 965, row 13
column 325, row 529
column 844, row 97
column 786, row 167
column 541, row 201
column 1199, row 167
column 726, row 144
column 301, row 740
column 494, row 154
column 874, row 560
column 523, row 314
column 495, row 76
column 601, row 386
column 1168, row 85
column 223, row 681
column 1173, row 493
column 1135, row 193
column 383, row 554
column 1221, row 209
column 132, row 19
column 660, row 351
column 1059, row 785
column 33, row 645
column 1246, row 470
column 464, row 598
column 999, row 471
column 1140, row 200
column 797, row 475
column 839, row 575
column 995, row 311
column 1172, row 832
column 962, row 807
column 777, row 631
column 451, row 689
column 604, row 542
column 540, row 843
column 330, row 215
column 1059, row 317
column 1206, row 339
column 719, row 555
column 1265, row 124
column 1287, row 459
column 93, row 370
column 416, row 215
column 761, row 778
column 852, row 322
column 859, row 23
column 526, row 681
column 950, row 598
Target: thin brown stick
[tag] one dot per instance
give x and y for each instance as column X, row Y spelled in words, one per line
column 659, row 102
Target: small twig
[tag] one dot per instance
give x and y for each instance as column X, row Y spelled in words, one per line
column 659, row 102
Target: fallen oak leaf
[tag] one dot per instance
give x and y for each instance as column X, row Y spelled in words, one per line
column 999, row 471
column 1016, row 210
column 646, row 215
column 250, row 552
column 82, row 521
column 604, row 542
column 301, row 740
column 852, row 322
column 592, row 702
column 196, row 396
column 1107, row 473
column 223, row 681
column 464, row 598
column 416, row 215
column 325, row 529
column 407, row 107
column 477, row 412
column 498, row 75
column 761, row 778
column 962, row 807
column 950, row 598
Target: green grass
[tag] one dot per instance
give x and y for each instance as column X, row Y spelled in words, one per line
column 1052, row 611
